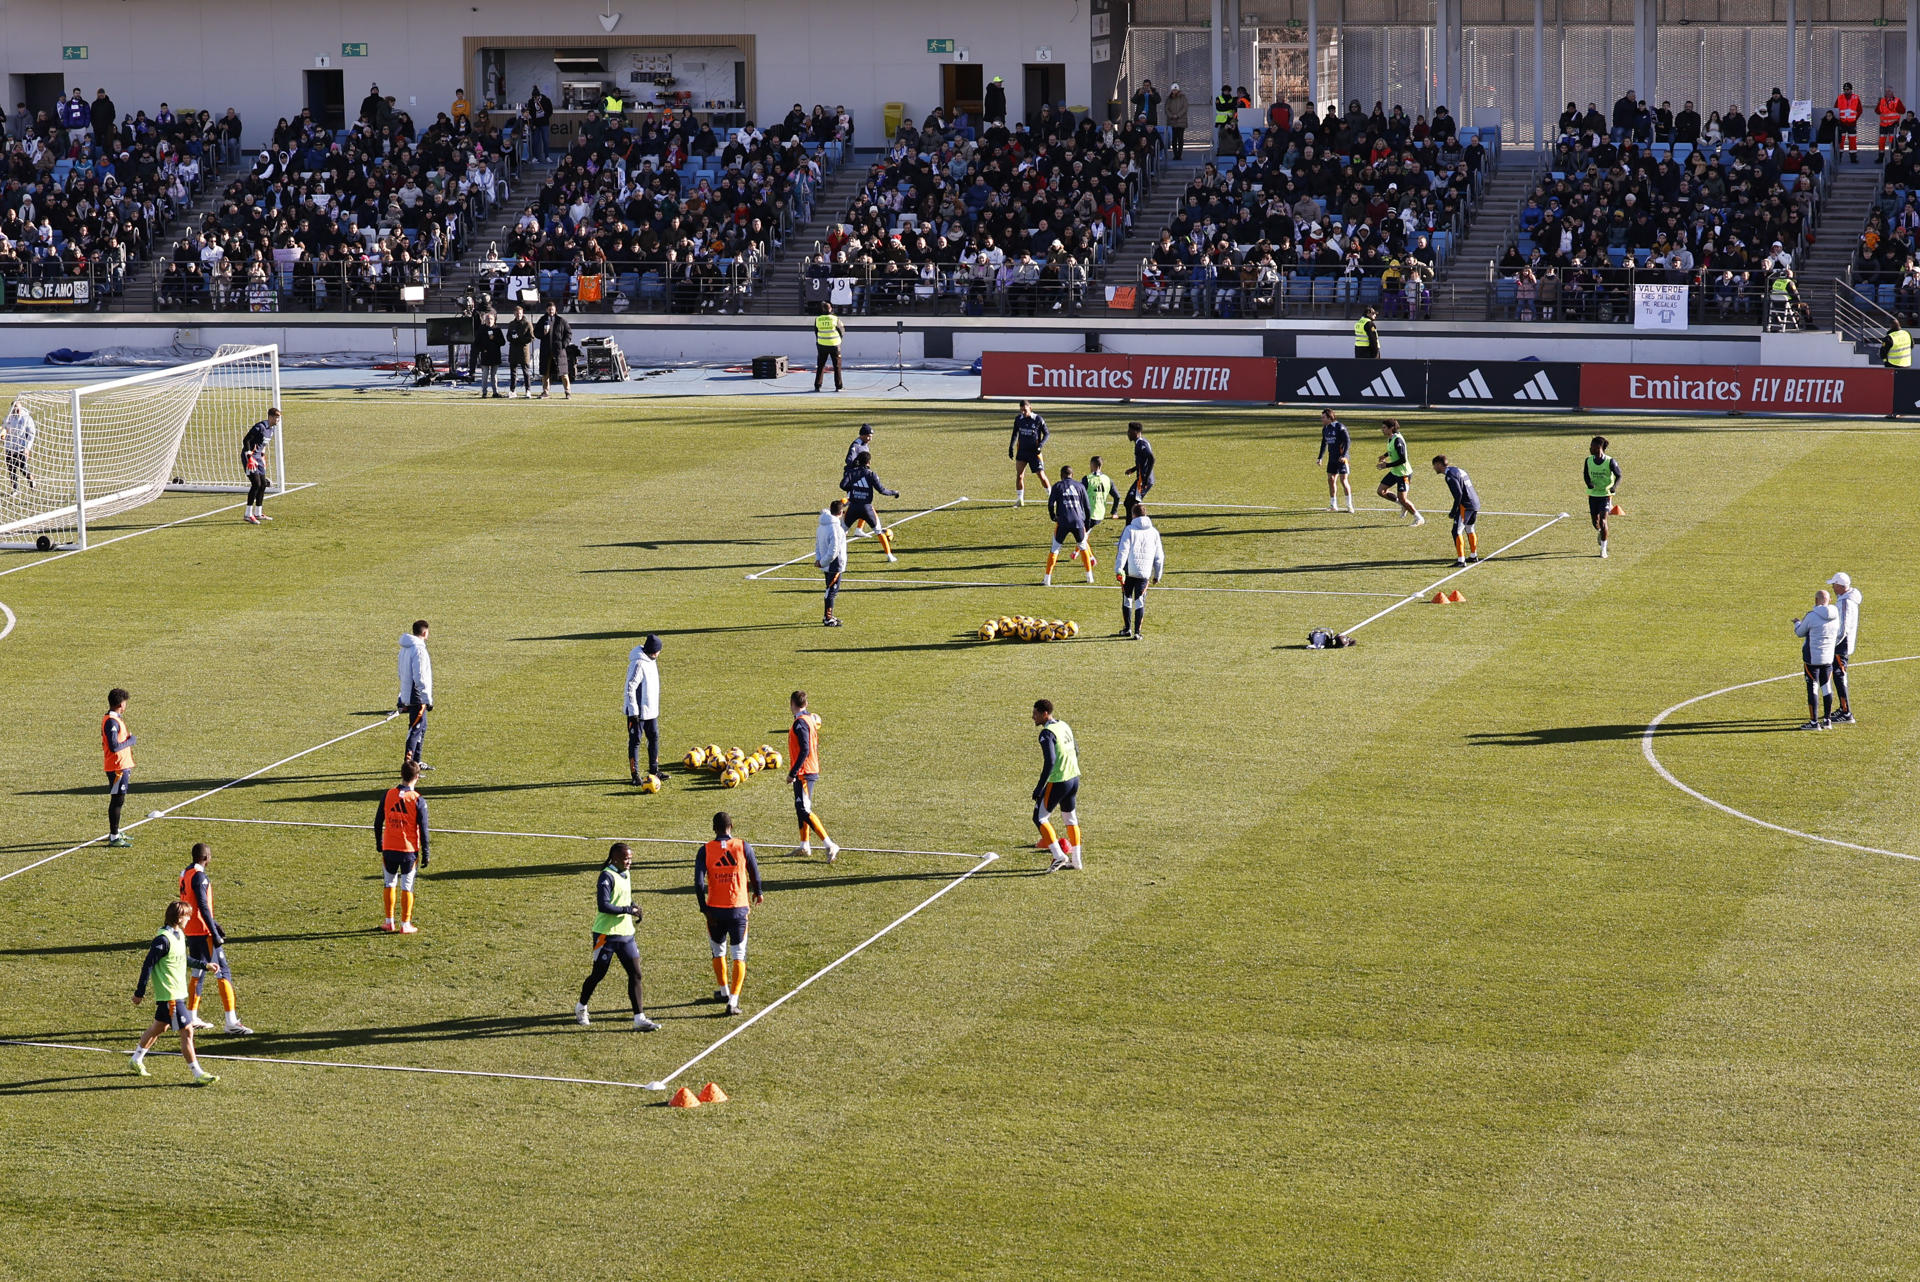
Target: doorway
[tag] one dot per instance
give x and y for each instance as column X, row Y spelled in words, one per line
column 39, row 92
column 1046, row 84
column 962, row 89
column 327, row 98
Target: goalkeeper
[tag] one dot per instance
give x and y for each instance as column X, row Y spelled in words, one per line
column 253, row 461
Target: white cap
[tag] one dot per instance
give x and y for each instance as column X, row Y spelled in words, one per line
column 1840, row 580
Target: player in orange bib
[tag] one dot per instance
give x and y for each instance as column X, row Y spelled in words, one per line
column 803, row 752
column 726, row 883
column 206, row 942
column 116, row 746
column 400, row 835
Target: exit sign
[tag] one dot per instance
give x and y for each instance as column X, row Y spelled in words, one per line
column 73, row 53
column 354, row 50
column 939, row 46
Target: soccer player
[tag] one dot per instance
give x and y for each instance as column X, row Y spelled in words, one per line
column 726, row 883
column 253, row 461
column 1335, row 444
column 1138, row 562
column 862, row 444
column 416, row 690
column 1067, row 504
column 643, row 706
column 1820, row 627
column 830, row 554
column 206, row 942
column 117, row 745
column 1464, row 512
column 614, row 916
column 1058, row 789
column 1029, row 438
column 1142, row 469
column 1601, row 475
column 1393, row 484
column 400, row 835
column 1102, row 499
column 861, row 483
column 18, row 431
column 1847, row 602
column 803, row 772
column 166, row 965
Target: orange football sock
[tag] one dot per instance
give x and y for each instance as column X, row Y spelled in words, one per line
column 226, row 996
column 193, row 995
column 739, row 975
column 1047, row 834
column 720, row 971
column 886, row 540
column 1459, row 549
column 1473, row 543
column 1092, row 560
column 386, row 898
column 1052, row 558
column 1073, row 835
column 819, row 829
column 406, row 905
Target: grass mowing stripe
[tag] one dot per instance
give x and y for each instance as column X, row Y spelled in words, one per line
column 1456, row 574
column 1646, row 750
column 1107, row 587
column 122, row 538
column 902, row 521
column 334, row 1063
column 304, row 752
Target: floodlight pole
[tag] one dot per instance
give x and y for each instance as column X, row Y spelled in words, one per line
column 79, row 476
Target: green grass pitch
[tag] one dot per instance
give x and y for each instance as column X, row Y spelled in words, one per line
column 1398, row 962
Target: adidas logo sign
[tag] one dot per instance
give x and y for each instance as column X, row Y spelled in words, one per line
column 1471, row 388
column 1385, row 386
column 1321, row 384
column 1538, row 388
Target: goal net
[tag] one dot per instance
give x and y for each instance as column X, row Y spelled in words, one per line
column 106, row 448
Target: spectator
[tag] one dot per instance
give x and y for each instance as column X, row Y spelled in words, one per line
column 995, row 106
column 1177, row 119
column 461, row 108
column 488, row 341
column 1146, row 104
column 556, row 358
column 539, row 111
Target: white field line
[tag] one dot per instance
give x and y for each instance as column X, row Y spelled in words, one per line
column 549, row 836
column 1646, row 750
column 1421, row 594
column 1109, row 587
column 830, row 967
column 332, row 1063
column 10, row 620
column 808, row 556
column 122, row 538
column 1309, row 511
column 203, row 796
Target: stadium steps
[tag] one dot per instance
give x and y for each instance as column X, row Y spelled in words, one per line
column 1149, row 220
column 781, row 296
column 1459, row 294
column 143, row 287
column 1842, row 219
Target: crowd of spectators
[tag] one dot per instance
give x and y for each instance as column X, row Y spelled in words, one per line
column 1351, row 208
column 1884, row 259
column 1723, row 206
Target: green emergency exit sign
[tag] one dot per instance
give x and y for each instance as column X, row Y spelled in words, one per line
column 73, row 53
column 354, row 50
column 939, row 46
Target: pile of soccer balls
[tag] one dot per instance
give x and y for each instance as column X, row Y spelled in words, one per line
column 734, row 765
column 1021, row 627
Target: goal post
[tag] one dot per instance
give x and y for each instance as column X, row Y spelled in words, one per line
column 96, row 451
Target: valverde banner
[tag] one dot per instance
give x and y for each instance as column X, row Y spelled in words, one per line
column 1111, row 376
column 1744, row 389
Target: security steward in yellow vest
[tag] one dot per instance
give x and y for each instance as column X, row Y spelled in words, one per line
column 1226, row 111
column 1366, row 336
column 614, row 106
column 827, row 336
column 1896, row 349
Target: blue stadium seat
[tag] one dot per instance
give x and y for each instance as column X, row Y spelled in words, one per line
column 1888, row 294
column 1370, row 289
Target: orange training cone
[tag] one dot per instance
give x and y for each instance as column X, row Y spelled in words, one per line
column 1454, row 597
column 1440, row 598
column 1616, row 511
column 684, row 1098
column 712, row 1094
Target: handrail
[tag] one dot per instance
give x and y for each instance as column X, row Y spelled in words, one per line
column 1856, row 318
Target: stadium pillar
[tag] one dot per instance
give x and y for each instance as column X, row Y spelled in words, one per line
column 1217, row 29
column 1646, row 48
column 1313, row 53
column 1446, row 19
column 1540, row 75
column 1912, row 92
column 1793, row 39
column 1238, row 74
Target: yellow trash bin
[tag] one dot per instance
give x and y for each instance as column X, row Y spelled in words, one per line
column 891, row 114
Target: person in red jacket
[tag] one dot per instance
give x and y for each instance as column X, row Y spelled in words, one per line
column 1847, row 109
column 1890, row 109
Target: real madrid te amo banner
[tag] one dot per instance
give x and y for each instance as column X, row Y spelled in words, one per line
column 1660, row 306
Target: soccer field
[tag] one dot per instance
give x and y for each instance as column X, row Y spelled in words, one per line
column 1393, row 962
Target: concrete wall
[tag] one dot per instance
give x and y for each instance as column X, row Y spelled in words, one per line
column 248, row 55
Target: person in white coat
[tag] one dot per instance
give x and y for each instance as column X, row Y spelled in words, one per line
column 1137, row 565
column 1847, row 602
column 19, row 432
column 830, row 554
column 1820, row 627
column 416, row 690
column 643, row 706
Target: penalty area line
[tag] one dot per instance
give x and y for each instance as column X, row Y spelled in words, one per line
column 334, row 1063
column 984, row 861
column 122, row 538
column 1421, row 594
column 1106, row 587
column 902, row 521
column 181, row 805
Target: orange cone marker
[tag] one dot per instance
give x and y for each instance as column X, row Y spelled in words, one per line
column 1616, row 511
column 712, row 1094
column 1439, row 598
column 1454, row 598
column 684, row 1098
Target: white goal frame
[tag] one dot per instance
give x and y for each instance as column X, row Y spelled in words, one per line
column 23, row 532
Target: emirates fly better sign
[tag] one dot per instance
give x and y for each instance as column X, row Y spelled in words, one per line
column 1104, row 376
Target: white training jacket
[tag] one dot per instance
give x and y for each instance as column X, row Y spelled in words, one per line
column 829, row 541
column 1821, row 628
column 19, row 431
column 643, row 684
column 1140, row 555
column 1849, row 606
column 416, row 670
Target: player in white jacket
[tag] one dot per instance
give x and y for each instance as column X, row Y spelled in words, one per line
column 416, row 690
column 830, row 553
column 1821, row 628
column 18, row 431
column 1847, row 602
column 643, row 706
column 1139, row 563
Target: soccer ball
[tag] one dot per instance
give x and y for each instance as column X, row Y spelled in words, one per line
column 1073, row 628
column 736, row 755
column 696, row 758
column 1004, row 624
column 713, row 753
column 989, row 630
column 650, row 783
column 755, row 764
column 730, row 778
column 773, row 759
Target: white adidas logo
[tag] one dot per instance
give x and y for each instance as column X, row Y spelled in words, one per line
column 1321, row 384
column 1538, row 388
column 1385, row 385
column 1471, row 388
